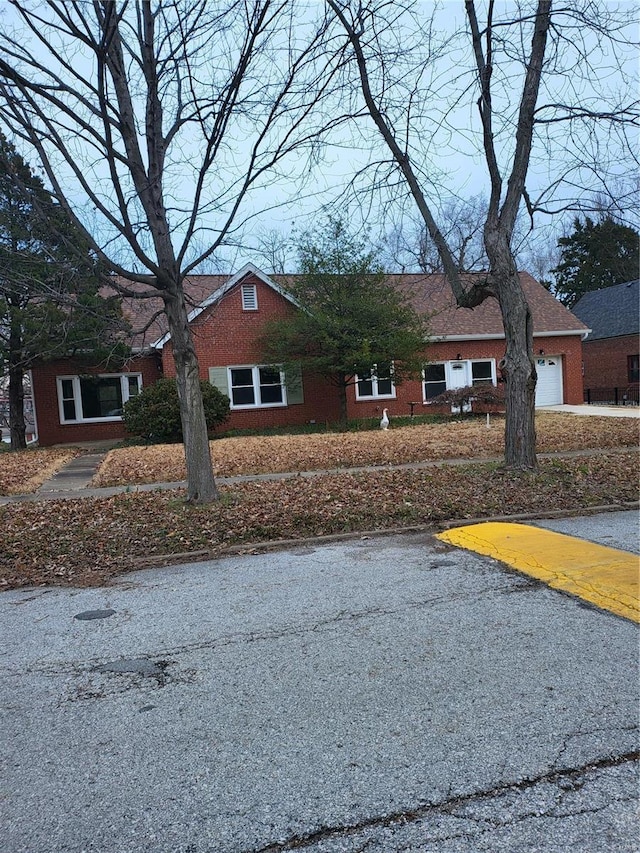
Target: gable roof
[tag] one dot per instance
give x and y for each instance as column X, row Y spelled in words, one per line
column 611, row 311
column 430, row 295
column 219, row 292
column 146, row 315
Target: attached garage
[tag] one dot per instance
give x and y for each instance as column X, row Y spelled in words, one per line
column 549, row 387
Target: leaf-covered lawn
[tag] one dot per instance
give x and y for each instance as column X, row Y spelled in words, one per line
column 88, row 541
column 326, row 451
column 25, row 470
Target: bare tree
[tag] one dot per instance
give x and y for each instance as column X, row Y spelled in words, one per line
column 409, row 246
column 274, row 248
column 152, row 122
column 527, row 71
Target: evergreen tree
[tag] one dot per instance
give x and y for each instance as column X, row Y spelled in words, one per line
column 597, row 254
column 352, row 322
column 50, row 304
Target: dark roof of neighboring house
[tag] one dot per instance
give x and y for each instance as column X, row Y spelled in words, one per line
column 429, row 294
column 611, row 311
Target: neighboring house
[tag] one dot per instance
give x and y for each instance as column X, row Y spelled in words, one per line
column 611, row 351
column 76, row 403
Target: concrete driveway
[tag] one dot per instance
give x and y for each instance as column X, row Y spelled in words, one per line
column 596, row 411
column 387, row 694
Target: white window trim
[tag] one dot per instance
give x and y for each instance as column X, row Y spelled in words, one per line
column 249, row 297
column 255, row 375
column 77, row 396
column 448, row 373
column 492, row 361
column 374, row 387
column 427, row 400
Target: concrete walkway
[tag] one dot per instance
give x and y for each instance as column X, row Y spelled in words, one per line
column 75, row 476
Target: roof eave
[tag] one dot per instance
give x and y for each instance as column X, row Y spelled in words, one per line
column 499, row 336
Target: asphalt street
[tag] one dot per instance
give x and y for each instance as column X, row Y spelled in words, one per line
column 379, row 694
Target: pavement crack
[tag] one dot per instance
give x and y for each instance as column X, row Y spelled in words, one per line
column 450, row 805
column 54, row 668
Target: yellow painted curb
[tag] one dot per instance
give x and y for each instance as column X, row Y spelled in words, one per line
column 603, row 576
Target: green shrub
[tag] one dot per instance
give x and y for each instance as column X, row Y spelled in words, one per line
column 155, row 413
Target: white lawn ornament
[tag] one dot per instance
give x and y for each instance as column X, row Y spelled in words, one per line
column 384, row 423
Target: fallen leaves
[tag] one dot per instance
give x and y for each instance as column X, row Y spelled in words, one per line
column 330, row 451
column 89, row 541
column 24, row 471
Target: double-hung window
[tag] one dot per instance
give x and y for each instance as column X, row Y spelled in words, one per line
column 95, row 398
column 257, row 386
column 375, row 383
column 434, row 382
column 482, row 373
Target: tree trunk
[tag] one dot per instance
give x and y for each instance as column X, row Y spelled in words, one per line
column 17, row 426
column 519, row 371
column 342, row 388
column 201, row 485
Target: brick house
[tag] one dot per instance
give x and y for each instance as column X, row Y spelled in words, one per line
column 77, row 403
column 611, row 350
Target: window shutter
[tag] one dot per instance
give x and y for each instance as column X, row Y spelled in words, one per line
column 218, row 377
column 293, row 380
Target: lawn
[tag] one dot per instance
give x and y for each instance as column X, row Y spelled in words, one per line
column 24, row 471
column 327, row 451
column 90, row 541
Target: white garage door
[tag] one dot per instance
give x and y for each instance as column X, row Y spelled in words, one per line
column 549, row 388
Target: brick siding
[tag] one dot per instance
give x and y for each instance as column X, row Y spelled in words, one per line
column 225, row 335
column 569, row 347
column 45, row 393
column 605, row 361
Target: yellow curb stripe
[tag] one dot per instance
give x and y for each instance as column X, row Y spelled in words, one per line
column 603, row 576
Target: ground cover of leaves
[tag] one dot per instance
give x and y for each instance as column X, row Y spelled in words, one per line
column 326, row 451
column 24, row 471
column 87, row 542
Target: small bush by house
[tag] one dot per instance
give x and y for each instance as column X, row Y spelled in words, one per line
column 154, row 414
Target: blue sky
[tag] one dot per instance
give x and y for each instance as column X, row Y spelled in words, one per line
column 443, row 139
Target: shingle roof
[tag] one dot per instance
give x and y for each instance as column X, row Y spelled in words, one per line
column 611, row 311
column 430, row 295
column 148, row 322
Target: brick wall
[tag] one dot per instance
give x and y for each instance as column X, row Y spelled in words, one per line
column 569, row 347
column 605, row 361
column 225, row 335
column 50, row 430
